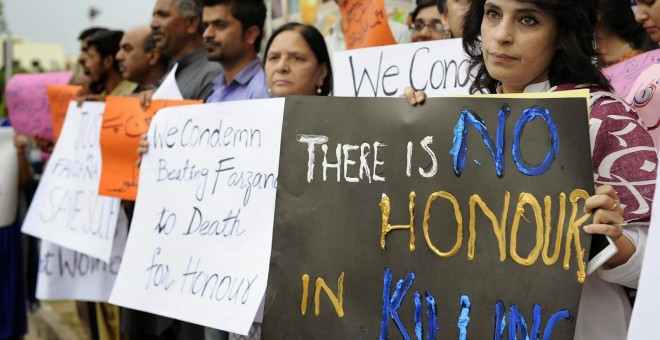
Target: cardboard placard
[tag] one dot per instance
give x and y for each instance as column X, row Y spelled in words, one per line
column 438, row 68
column 66, row 208
column 364, row 23
column 201, row 232
column 59, row 97
column 124, row 122
column 27, row 102
column 486, row 183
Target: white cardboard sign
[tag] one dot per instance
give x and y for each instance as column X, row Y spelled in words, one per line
column 65, row 274
column 436, row 67
column 200, row 239
column 66, row 208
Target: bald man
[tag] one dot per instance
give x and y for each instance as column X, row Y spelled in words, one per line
column 139, row 59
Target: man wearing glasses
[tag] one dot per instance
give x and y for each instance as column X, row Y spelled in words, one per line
column 428, row 23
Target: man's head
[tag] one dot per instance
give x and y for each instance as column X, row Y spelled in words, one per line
column 137, row 54
column 101, row 50
column 83, row 37
column 175, row 23
column 233, row 28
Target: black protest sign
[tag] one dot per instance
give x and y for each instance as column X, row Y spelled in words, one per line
column 493, row 188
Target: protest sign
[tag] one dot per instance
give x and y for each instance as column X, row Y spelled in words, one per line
column 8, row 177
column 623, row 75
column 66, row 208
column 59, row 97
column 200, row 236
column 437, row 67
column 124, row 121
column 646, row 102
column 27, row 102
column 458, row 218
column 364, row 23
column 65, row 274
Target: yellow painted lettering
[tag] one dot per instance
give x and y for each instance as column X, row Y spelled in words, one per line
column 459, row 223
column 498, row 228
column 573, row 234
column 526, row 199
column 386, row 227
column 337, row 302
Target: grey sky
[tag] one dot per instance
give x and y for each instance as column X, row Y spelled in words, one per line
column 60, row 21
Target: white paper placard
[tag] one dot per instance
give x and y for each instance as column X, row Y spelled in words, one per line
column 8, row 177
column 436, row 67
column 200, row 239
column 66, row 208
column 65, row 274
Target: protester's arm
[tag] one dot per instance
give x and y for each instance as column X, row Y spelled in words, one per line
column 628, row 273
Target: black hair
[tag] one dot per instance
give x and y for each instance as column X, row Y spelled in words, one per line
column 442, row 6
column 248, row 12
column 618, row 16
column 107, row 44
column 421, row 4
column 90, row 32
column 572, row 63
column 316, row 43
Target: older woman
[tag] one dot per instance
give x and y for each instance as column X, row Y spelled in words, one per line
column 547, row 45
column 296, row 62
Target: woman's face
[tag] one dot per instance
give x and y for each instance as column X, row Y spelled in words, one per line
column 648, row 14
column 519, row 42
column 291, row 66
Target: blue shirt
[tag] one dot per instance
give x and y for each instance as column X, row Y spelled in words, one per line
column 249, row 83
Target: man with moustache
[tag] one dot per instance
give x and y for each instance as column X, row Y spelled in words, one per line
column 177, row 28
column 102, row 68
column 139, row 59
column 233, row 37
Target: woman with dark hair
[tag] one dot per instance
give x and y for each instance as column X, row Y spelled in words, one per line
column 548, row 45
column 618, row 36
column 296, row 62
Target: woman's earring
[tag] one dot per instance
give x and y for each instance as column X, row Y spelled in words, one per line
column 318, row 90
column 448, row 34
column 269, row 90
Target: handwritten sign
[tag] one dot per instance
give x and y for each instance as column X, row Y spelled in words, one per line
column 124, row 122
column 27, row 102
column 623, row 75
column 364, row 23
column 459, row 218
column 8, row 177
column 65, row 274
column 200, row 237
column 643, row 324
column 66, row 208
column 436, row 67
column 59, row 97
